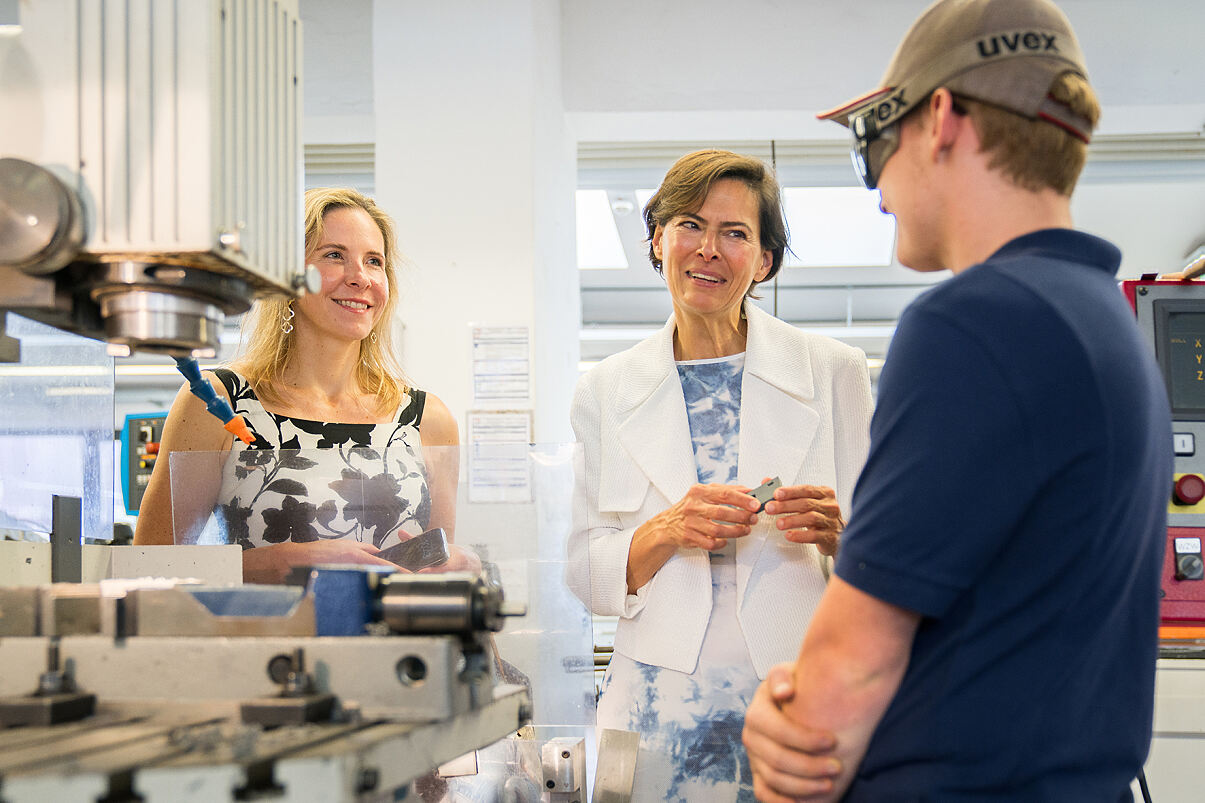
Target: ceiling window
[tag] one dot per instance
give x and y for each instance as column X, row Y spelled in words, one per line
column 598, row 243
column 837, row 227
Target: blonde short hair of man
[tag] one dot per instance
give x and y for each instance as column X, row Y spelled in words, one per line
column 1036, row 154
column 269, row 350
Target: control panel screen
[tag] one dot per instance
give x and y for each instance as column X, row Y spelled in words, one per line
column 1180, row 338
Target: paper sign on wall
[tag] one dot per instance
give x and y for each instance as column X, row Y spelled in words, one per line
column 498, row 447
column 501, row 366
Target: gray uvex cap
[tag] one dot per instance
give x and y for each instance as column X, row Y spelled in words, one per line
column 1003, row 52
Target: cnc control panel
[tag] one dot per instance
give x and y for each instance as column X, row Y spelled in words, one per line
column 1171, row 315
column 139, row 450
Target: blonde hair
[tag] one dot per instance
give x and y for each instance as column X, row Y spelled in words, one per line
column 269, row 349
column 1035, row 154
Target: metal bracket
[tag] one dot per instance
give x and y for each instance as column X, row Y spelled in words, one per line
column 66, row 539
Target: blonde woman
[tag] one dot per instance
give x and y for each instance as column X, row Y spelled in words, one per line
column 337, row 470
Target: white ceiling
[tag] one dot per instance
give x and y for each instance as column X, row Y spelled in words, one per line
column 758, row 55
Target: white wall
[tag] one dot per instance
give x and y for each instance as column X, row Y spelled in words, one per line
column 337, row 79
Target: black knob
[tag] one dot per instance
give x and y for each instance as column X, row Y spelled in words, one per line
column 1190, row 567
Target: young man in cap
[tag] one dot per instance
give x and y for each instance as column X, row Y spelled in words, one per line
column 990, row 631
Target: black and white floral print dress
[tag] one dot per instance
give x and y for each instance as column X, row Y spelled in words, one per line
column 306, row 480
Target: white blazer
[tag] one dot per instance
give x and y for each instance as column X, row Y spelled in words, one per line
column 805, row 417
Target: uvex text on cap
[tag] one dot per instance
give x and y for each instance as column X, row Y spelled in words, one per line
column 1006, row 53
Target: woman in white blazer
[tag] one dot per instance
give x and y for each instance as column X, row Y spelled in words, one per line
column 675, row 432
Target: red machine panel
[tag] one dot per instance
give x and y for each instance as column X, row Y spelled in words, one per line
column 1183, row 587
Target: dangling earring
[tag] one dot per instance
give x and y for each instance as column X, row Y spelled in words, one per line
column 286, row 319
column 372, row 336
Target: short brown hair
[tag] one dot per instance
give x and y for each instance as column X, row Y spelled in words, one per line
column 1037, row 154
column 269, row 349
column 685, row 189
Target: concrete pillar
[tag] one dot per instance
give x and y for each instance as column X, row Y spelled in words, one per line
column 474, row 160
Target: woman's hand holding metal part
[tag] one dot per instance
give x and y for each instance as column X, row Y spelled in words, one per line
column 808, row 514
column 272, row 563
column 459, row 559
column 706, row 518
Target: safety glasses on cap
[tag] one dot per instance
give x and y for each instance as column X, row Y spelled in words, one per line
column 870, row 145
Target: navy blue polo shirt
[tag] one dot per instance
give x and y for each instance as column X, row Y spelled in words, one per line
column 1015, row 496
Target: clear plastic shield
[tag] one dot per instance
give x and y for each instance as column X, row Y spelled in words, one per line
column 57, row 432
column 415, row 508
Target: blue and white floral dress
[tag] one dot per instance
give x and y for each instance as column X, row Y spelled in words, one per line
column 690, row 724
column 307, row 480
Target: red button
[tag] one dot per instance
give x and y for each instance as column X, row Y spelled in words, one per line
column 152, row 448
column 1189, row 490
